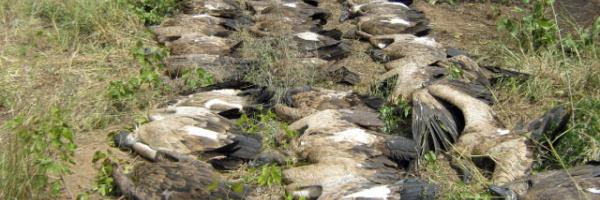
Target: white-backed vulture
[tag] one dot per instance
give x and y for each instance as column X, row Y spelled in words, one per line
column 303, row 101
column 384, row 18
column 344, row 159
column 286, row 16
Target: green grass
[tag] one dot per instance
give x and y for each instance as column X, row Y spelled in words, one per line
column 58, row 61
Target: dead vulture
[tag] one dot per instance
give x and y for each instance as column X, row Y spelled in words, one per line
column 582, row 182
column 174, row 180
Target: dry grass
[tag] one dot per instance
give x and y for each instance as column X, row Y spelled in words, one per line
column 59, row 54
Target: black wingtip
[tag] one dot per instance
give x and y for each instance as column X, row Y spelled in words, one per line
column 434, row 126
column 415, row 189
column 244, row 147
column 550, row 124
column 401, row 150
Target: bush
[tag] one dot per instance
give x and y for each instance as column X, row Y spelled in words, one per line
column 42, row 148
column 152, row 12
column 534, row 30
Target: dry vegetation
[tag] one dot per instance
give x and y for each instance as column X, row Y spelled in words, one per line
column 57, row 61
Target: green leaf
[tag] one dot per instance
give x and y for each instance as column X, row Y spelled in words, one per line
column 98, row 156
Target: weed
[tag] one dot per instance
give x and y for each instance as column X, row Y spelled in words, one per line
column 534, row 30
column 151, row 64
column 384, row 88
column 50, row 148
column 580, row 143
column 558, row 63
column 153, row 11
column 455, row 72
column 270, row 175
column 194, row 78
column 58, row 54
column 104, row 182
column 268, row 127
column 395, row 115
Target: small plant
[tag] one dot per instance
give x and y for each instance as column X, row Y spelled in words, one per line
column 455, row 72
column 153, row 11
column 150, row 61
column 194, row 78
column 270, row 175
column 534, row 30
column 50, row 148
column 267, row 126
column 105, row 185
column 394, row 115
column 572, row 147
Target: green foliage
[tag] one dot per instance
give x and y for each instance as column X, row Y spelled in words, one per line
column 576, row 145
column 534, row 30
column 394, row 115
column 105, row 185
column 584, row 40
column 464, row 191
column 267, row 126
column 150, row 61
column 194, row 78
column 50, row 148
column 455, row 72
column 270, row 175
column 430, row 157
column 153, row 11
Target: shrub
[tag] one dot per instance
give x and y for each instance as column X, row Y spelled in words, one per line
column 50, row 146
column 152, row 12
column 534, row 30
